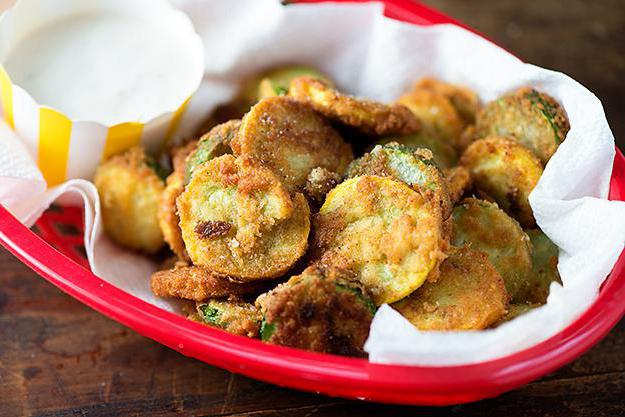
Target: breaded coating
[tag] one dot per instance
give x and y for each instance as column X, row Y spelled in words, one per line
column 319, row 183
column 413, row 167
column 506, row 171
column 276, row 82
column 238, row 219
column 465, row 101
column 368, row 116
column 179, row 155
column 168, row 219
column 459, row 179
column 389, row 234
column 469, row 294
column 544, row 269
column 533, row 118
column 198, row 283
column 213, row 144
column 129, row 185
column 319, row 310
column 484, row 227
column 514, row 311
column 291, row 139
column 233, row 316
column 443, row 153
column 437, row 115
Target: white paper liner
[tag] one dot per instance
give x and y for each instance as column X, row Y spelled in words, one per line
column 379, row 58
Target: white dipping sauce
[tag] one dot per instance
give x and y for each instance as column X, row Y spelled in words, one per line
column 108, row 68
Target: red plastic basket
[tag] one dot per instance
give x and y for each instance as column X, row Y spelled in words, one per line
column 328, row 374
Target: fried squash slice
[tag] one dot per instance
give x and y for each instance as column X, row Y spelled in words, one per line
column 443, row 153
column 231, row 315
column 534, row 119
column 211, row 145
column 130, row 185
column 484, row 227
column 320, row 310
column 438, row 116
column 197, row 283
column 544, row 269
column 370, row 117
column 415, row 168
column 469, row 294
column 390, row 235
column 506, row 171
column 239, row 220
column 464, row 100
column 291, row 139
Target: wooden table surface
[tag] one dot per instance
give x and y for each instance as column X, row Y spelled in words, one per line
column 60, row 358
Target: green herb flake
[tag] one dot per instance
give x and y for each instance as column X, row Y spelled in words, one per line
column 210, row 314
column 267, row 330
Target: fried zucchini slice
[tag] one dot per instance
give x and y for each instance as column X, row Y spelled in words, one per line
column 213, row 144
column 236, row 317
column 276, row 82
column 180, row 153
column 544, row 269
column 197, row 283
column 291, row 139
column 168, row 219
column 415, row 168
column 506, row 171
column 469, row 294
column 237, row 219
column 368, row 116
column 130, row 185
column 444, row 154
column 319, row 310
column 464, row 100
column 385, row 231
column 437, row 115
column 460, row 180
column 533, row 118
column 514, row 311
column 482, row 226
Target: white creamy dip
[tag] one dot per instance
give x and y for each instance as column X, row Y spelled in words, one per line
column 109, row 68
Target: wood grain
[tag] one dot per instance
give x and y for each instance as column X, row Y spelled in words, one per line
column 60, row 358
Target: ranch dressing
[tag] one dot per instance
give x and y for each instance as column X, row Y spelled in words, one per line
column 109, row 68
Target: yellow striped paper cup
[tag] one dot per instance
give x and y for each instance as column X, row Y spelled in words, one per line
column 64, row 148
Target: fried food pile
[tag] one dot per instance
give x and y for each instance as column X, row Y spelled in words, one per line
column 304, row 209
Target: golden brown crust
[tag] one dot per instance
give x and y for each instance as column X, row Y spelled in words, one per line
column 468, row 295
column 179, row 155
column 385, row 231
column 368, row 116
column 506, row 171
column 459, row 179
column 214, row 143
column 320, row 310
column 268, row 229
column 413, row 167
column 129, row 191
column 437, row 114
column 532, row 118
column 483, row 226
column 232, row 315
column 462, row 98
column 291, row 139
column 197, row 283
column 168, row 219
